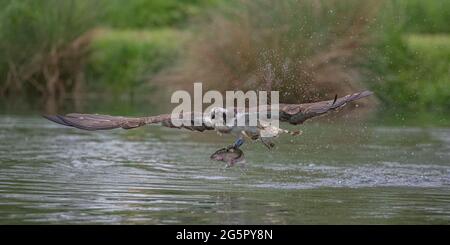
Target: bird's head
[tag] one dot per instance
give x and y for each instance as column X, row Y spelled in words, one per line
column 217, row 117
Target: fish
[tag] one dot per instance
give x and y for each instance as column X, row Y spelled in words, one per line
column 230, row 155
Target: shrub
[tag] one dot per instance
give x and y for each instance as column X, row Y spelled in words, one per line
column 42, row 45
column 417, row 79
column 308, row 50
column 419, row 16
column 150, row 13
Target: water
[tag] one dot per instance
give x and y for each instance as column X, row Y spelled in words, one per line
column 332, row 174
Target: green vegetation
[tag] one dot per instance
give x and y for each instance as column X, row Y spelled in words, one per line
column 49, row 48
column 58, row 49
column 307, row 49
column 151, row 13
column 124, row 60
column 411, row 61
column 420, row 16
column 419, row 80
column 42, row 45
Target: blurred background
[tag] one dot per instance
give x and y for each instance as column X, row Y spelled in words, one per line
column 111, row 56
column 127, row 57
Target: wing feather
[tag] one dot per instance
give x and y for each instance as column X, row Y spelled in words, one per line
column 298, row 113
column 93, row 122
column 292, row 113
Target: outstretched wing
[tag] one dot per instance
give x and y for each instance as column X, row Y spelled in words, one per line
column 292, row 113
column 104, row 122
column 298, row 113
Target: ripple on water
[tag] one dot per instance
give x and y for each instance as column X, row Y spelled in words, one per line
column 55, row 174
column 364, row 175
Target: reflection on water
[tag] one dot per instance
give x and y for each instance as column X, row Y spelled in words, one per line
column 340, row 174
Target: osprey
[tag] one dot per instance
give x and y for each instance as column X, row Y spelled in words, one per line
column 217, row 119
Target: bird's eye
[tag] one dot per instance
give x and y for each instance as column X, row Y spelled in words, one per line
column 213, row 115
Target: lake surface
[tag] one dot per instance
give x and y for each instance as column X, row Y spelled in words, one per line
column 332, row 174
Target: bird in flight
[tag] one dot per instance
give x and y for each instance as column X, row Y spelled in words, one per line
column 218, row 119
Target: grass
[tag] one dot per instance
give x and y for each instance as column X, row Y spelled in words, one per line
column 307, row 49
column 123, row 60
column 429, row 17
column 43, row 45
column 142, row 14
column 416, row 81
column 432, row 70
